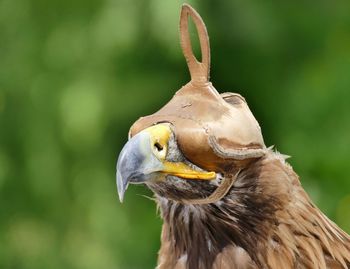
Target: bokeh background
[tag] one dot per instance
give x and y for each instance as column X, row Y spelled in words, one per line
column 74, row 75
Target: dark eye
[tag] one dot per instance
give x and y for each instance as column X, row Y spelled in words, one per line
column 158, row 146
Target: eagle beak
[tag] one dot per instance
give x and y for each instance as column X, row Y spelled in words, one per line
column 143, row 159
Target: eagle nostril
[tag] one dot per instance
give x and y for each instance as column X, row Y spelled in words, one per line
column 158, row 146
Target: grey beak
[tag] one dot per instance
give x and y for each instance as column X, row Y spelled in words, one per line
column 136, row 162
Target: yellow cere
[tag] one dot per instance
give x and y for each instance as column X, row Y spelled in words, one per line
column 159, row 134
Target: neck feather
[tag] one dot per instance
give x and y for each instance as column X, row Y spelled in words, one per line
column 266, row 213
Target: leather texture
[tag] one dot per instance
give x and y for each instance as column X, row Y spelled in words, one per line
column 212, row 130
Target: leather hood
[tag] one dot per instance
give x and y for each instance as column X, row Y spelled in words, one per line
column 212, row 130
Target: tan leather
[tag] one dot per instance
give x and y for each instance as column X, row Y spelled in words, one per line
column 212, row 130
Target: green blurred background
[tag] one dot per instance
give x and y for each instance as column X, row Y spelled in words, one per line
column 74, row 75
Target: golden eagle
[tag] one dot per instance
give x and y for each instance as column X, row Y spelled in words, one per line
column 227, row 201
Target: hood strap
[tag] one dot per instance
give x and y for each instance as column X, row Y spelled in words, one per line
column 217, row 195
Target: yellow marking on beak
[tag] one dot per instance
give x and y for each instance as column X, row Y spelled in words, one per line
column 159, row 133
column 159, row 138
column 184, row 171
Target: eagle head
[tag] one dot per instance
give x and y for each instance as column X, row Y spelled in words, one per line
column 153, row 157
column 198, row 137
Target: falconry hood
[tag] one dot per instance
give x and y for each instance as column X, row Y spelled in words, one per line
column 212, row 130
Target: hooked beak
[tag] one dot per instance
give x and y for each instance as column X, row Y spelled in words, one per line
column 144, row 157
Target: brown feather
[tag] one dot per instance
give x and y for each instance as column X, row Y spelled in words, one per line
column 266, row 221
